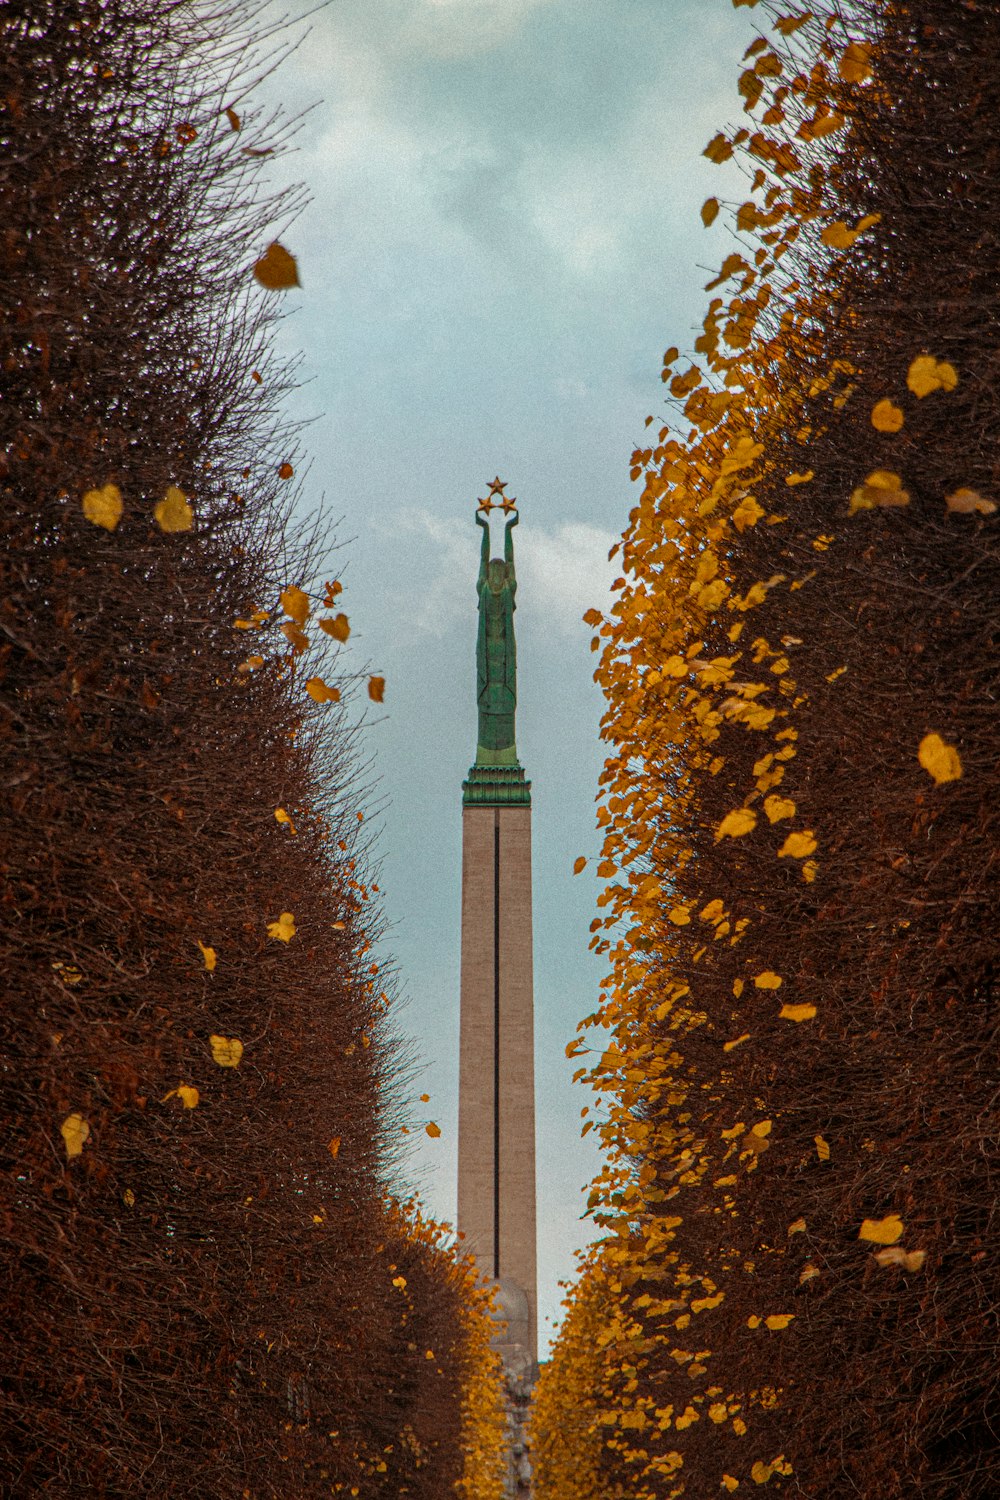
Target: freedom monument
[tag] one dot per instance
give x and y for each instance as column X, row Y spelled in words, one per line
column 496, row 1111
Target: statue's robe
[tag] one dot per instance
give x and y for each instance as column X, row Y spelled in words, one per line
column 496, row 662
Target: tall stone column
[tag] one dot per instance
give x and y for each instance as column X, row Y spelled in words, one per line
column 496, row 1118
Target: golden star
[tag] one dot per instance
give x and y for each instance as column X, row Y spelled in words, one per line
column 497, row 487
column 486, row 505
column 510, row 504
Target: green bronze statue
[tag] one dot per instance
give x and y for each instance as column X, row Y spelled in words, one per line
column 496, row 655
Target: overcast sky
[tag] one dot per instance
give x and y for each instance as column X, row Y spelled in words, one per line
column 503, row 238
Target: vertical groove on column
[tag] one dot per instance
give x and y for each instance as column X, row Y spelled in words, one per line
column 496, row 1043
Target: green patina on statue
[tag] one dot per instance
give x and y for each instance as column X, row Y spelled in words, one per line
column 496, row 651
column 497, row 779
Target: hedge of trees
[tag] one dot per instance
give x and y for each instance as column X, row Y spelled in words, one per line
column 207, row 1287
column 798, row 1091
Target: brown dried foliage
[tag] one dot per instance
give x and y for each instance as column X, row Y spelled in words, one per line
column 202, row 1302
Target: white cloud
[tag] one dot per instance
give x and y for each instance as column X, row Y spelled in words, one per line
column 563, row 572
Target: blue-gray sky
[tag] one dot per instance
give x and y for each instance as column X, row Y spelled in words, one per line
column 502, row 240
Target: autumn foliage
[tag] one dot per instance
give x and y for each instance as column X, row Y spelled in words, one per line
column 207, row 1288
column 797, row 1082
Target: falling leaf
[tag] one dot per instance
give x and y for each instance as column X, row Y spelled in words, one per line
column 736, row 823
column 778, row 808
column 185, row 1093
column 226, row 1050
column 768, row 980
column 173, row 513
column 822, row 1148
column 895, row 1255
column 968, row 502
column 777, row 1321
column 926, row 375
column 855, row 63
column 376, row 689
column 335, row 1146
column 432, row 1130
column 283, row 929
column 882, row 1231
column 798, row 845
column 320, row 693
column 709, row 211
column 103, row 507
column 209, row 955
column 75, row 1131
column 277, row 269
column 887, row 417
column 339, row 627
column 579, row 864
column 285, row 470
column 233, row 118
column 797, row 1012
column 296, row 638
column 280, row 816
column 295, row 603
column 881, row 488
column 939, row 759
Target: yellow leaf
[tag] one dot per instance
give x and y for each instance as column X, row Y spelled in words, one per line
column 798, row 845
column 729, row 1483
column 822, row 1148
column 376, row 689
column 425, row 1098
column 882, row 487
column 747, row 513
column 103, row 507
column 736, row 823
column 295, row 603
column 778, row 808
column 967, row 502
column 173, row 513
column 320, row 693
column 718, row 149
column 296, row 638
column 855, row 62
column 335, row 1147
column 339, row 627
column 128, row 1198
column 736, row 1042
column 234, row 119
column 580, row 863
column 887, row 417
column 185, row 1093
column 808, row 1273
column 285, row 470
column 939, row 759
column 432, row 1130
column 209, row 955
column 283, row 929
column 75, row 1131
column 761, row 1472
column 797, row 1012
column 737, row 987
column 838, row 236
column 926, row 375
column 799, row 478
column 680, row 916
column 226, row 1050
column 399, row 1281
column 909, row 1260
column 797, row 1226
column 709, row 211
column 280, row 816
column 768, row 980
column 777, row 1321
column 251, row 664
column 276, row 269
column 882, row 1231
